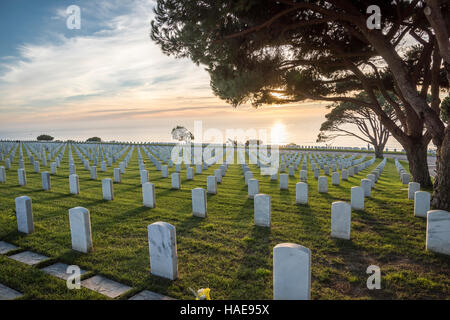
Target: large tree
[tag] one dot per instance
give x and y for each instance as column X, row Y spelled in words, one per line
column 347, row 119
column 281, row 51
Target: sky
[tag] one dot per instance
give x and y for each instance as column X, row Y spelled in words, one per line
column 109, row 79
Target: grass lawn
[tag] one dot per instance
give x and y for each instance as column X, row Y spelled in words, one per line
column 224, row 252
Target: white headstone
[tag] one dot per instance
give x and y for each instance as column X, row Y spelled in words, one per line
column 351, row 171
column 421, row 203
column 366, row 184
column 316, row 173
column 22, row 176
column 218, row 174
column 284, row 181
column 405, row 178
column 211, row 184
column 93, row 172
column 291, row 171
column 2, row 174
column 248, row 175
column 335, row 180
column 303, row 176
column 344, row 174
column 341, row 218
column 149, row 195
column 53, row 168
column 176, row 181
column 144, row 176
column 80, row 229
column 357, row 198
column 117, row 175
column 24, row 214
column 223, row 170
column 74, row 184
column 163, row 250
column 291, row 272
column 108, row 189
column 438, row 231
column 253, row 188
column 199, row 202
column 190, row 173
column 372, row 178
column 37, row 167
column 45, row 176
column 323, row 184
column 165, row 171
column 262, row 210
column 412, row 188
column 301, row 193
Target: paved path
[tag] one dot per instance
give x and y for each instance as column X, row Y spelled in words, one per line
column 96, row 283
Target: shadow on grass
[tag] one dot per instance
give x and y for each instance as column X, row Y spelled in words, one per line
column 308, row 219
column 245, row 214
column 254, row 264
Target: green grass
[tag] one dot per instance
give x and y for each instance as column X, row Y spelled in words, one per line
column 224, row 252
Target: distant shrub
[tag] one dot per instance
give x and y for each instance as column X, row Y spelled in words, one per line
column 45, row 137
column 94, row 139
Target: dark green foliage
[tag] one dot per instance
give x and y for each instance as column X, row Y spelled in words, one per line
column 94, row 139
column 44, row 137
column 253, row 48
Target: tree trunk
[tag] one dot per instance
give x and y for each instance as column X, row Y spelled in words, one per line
column 441, row 194
column 378, row 151
column 416, row 152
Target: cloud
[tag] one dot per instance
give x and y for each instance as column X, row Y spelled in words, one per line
column 117, row 62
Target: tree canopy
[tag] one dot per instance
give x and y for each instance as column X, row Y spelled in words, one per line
column 282, row 51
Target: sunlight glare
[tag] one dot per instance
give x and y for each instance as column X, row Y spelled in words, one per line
column 278, row 134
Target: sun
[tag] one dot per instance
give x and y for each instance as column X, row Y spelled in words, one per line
column 278, row 134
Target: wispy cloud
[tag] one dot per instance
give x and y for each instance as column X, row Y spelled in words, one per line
column 119, row 61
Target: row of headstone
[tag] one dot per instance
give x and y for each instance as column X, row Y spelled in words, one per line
column 357, row 194
column 404, row 175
